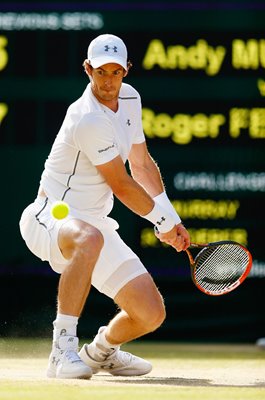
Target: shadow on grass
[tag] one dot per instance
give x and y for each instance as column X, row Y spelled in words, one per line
column 172, row 381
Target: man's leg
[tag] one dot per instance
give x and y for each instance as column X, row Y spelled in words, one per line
column 81, row 244
column 142, row 311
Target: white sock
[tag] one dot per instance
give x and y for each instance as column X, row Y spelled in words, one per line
column 64, row 325
column 100, row 347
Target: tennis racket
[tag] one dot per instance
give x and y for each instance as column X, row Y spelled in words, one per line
column 219, row 267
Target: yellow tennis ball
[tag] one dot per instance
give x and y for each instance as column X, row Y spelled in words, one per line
column 60, row 210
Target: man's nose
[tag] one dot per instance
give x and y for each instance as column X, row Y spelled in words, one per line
column 108, row 80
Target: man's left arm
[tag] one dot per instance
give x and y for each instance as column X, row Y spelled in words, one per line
column 146, row 172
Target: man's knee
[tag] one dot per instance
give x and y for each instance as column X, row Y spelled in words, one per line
column 142, row 301
column 79, row 239
column 89, row 239
column 154, row 318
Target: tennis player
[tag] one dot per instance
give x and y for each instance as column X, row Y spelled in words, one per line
column 85, row 168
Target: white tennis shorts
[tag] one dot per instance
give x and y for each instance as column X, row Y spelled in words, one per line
column 117, row 263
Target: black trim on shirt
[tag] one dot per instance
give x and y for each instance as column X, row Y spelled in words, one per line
column 72, row 174
column 37, row 215
column 128, row 98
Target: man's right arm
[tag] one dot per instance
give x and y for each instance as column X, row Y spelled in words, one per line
column 125, row 188
column 134, row 196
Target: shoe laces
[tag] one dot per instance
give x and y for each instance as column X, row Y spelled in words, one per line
column 72, row 356
column 121, row 356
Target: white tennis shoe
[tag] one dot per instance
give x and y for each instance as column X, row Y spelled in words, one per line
column 115, row 362
column 64, row 362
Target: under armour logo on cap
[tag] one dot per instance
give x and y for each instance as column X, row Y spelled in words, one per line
column 107, row 49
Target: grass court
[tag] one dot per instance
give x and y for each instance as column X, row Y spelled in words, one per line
column 180, row 371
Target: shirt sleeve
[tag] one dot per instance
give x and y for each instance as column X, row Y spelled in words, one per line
column 94, row 136
column 139, row 136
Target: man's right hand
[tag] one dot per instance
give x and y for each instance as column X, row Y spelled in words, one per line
column 178, row 237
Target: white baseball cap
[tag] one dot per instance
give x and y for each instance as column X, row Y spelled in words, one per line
column 106, row 49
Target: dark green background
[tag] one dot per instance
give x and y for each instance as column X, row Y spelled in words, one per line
column 44, row 75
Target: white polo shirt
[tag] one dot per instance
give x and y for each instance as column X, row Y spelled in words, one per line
column 91, row 134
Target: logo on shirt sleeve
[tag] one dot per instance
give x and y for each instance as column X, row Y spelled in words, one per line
column 107, row 148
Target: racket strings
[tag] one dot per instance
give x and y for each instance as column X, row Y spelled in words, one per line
column 219, row 267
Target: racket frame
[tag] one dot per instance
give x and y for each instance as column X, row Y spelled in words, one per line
column 214, row 244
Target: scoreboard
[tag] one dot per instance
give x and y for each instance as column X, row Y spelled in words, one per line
column 200, row 70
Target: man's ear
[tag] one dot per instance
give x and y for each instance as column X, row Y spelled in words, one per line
column 125, row 73
column 88, row 67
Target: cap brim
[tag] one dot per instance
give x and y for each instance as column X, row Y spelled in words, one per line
column 99, row 61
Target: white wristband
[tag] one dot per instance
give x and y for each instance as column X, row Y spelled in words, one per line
column 164, row 202
column 161, row 218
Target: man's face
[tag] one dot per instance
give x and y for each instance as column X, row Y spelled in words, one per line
column 106, row 82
